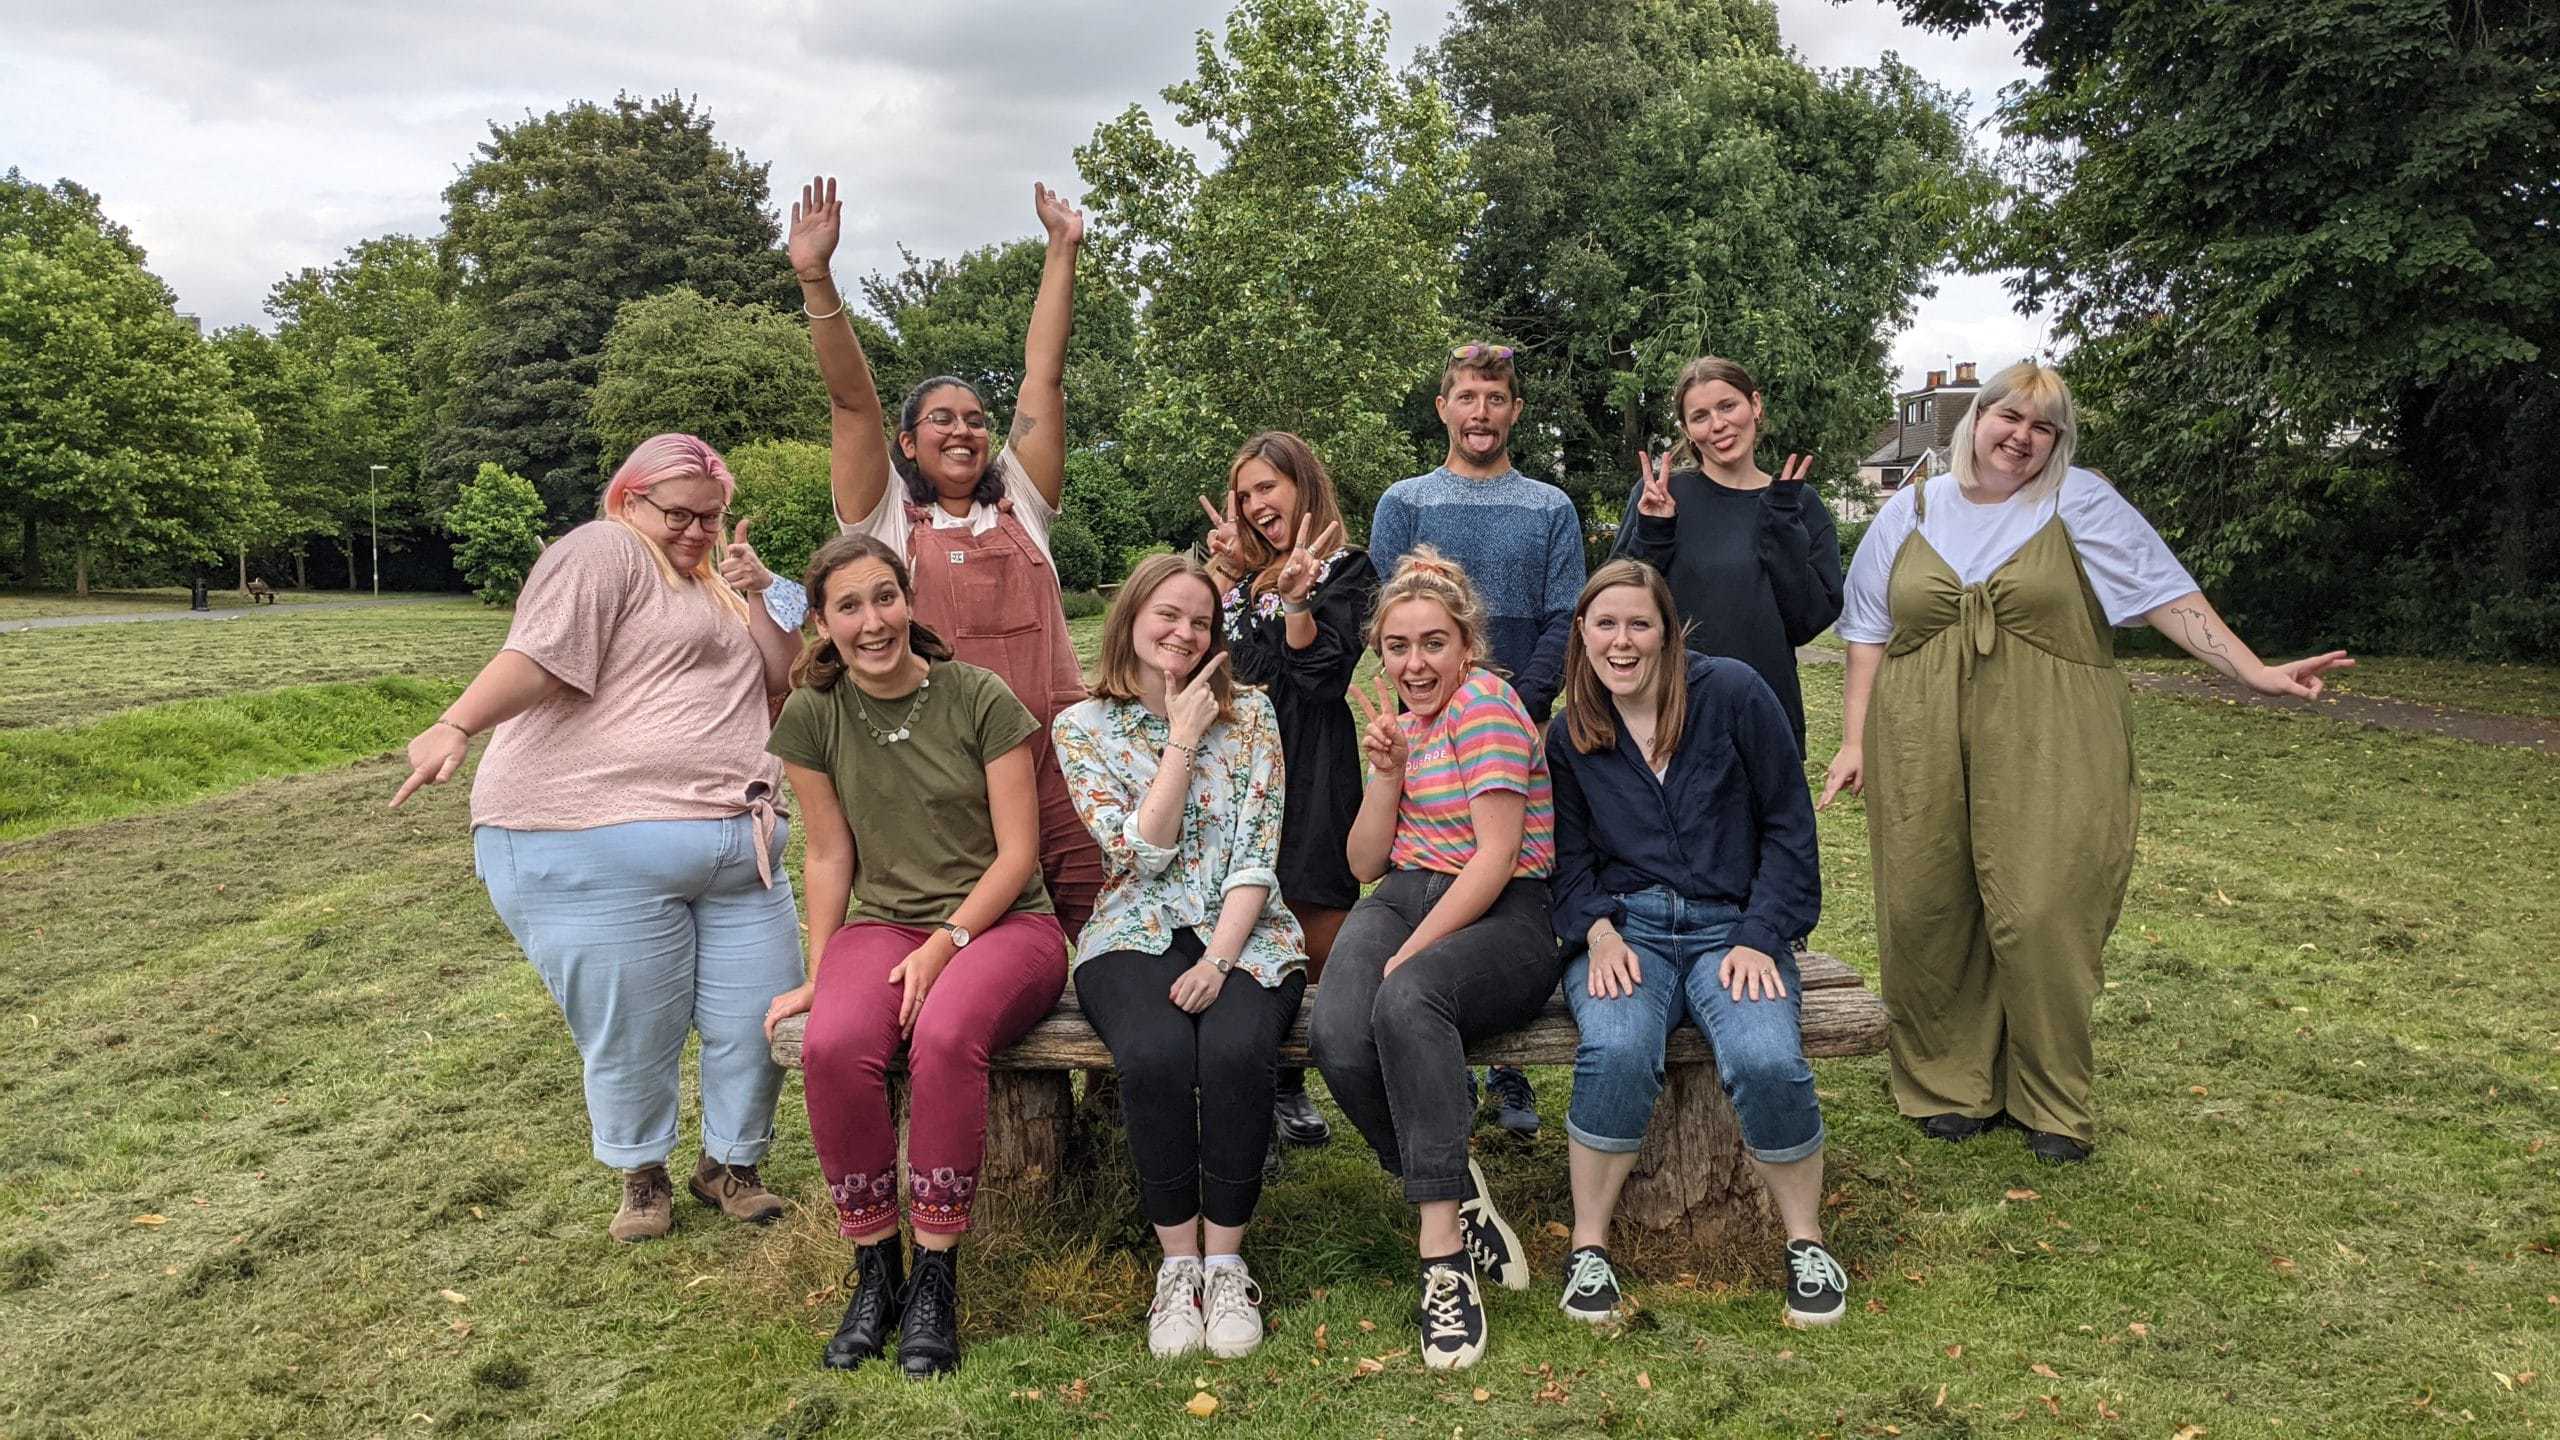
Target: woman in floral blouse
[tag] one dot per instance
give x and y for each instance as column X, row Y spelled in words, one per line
column 1178, row 775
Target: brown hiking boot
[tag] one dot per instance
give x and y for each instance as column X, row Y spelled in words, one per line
column 735, row 1191
column 648, row 1205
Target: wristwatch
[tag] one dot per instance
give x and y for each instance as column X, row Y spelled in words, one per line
column 959, row 936
column 1226, row 964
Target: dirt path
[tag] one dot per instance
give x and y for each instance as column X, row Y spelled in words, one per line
column 141, row 617
column 2376, row 711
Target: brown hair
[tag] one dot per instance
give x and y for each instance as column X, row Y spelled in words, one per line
column 1115, row 675
column 1426, row 574
column 1586, row 700
column 1706, row 369
column 820, row 666
column 1484, row 360
column 1297, row 460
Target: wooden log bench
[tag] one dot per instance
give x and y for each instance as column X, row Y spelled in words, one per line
column 1693, row 1185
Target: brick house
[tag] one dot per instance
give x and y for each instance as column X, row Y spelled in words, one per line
column 1924, row 422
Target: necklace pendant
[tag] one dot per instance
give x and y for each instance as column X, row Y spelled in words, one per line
column 899, row 735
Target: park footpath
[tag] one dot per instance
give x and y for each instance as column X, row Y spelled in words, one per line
column 140, row 617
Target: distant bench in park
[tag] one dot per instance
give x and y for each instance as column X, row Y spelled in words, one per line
column 1693, row 1186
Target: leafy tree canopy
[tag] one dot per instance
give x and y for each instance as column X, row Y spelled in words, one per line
column 731, row 374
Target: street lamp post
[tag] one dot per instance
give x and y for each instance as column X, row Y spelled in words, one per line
column 373, row 512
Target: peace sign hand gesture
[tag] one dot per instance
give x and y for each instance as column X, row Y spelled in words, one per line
column 1298, row 572
column 1223, row 552
column 1654, row 480
column 1382, row 729
column 1191, row 709
column 817, row 219
column 1797, row 470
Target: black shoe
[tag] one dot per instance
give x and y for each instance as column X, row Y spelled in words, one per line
column 879, row 1293
column 1591, row 1287
column 929, row 1330
column 1817, row 1288
column 1516, row 1105
column 2056, row 1149
column 1452, row 1315
column 1490, row 1243
column 1297, row 1120
column 1953, row 1128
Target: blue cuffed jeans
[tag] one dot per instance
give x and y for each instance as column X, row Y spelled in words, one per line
column 1680, row 946
column 645, row 932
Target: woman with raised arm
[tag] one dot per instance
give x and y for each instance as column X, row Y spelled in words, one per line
column 624, row 820
column 925, row 761
column 970, row 520
column 1457, row 826
column 1984, row 707
column 1753, row 559
column 1295, row 601
column 1179, row 776
column 1685, row 862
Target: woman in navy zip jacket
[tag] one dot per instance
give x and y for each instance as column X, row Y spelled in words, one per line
column 1685, row 863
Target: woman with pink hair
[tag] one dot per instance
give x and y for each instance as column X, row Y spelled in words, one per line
column 624, row 820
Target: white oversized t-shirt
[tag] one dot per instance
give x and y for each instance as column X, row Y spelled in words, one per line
column 887, row 522
column 2129, row 565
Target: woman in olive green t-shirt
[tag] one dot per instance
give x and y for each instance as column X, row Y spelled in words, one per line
column 890, row 742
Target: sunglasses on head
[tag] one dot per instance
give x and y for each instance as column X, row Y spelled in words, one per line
column 1476, row 352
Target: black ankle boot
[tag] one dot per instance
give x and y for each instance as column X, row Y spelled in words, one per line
column 929, row 1331
column 879, row 1293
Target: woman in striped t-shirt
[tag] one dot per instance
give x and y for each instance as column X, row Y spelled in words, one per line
column 1454, row 944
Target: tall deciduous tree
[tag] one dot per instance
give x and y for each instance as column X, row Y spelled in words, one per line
column 556, row 223
column 1305, row 283
column 1664, row 179
column 118, row 428
column 728, row 373
column 968, row 317
column 2306, row 256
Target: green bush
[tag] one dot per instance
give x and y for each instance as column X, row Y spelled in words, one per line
column 496, row 522
column 1084, row 604
column 783, row 494
column 1079, row 557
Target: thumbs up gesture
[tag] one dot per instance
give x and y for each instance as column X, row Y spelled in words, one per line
column 739, row 565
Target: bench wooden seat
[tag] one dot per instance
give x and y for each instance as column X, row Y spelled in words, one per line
column 1693, row 1179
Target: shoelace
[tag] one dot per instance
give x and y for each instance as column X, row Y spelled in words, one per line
column 1484, row 1243
column 933, row 1292
column 1175, row 1287
column 1444, row 1298
column 1512, row 1089
column 1591, row 1274
column 1813, row 1268
column 1231, row 1291
column 648, row 1187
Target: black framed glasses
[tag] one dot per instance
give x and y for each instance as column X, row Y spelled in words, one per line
column 680, row 519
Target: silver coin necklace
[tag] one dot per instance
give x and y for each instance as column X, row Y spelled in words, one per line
column 903, row 730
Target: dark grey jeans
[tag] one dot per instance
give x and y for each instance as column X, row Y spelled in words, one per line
column 1394, row 1048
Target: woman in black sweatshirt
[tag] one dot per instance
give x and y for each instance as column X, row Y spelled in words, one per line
column 1754, row 560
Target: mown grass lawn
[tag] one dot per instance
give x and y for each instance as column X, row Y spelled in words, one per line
column 292, row 1145
column 44, row 604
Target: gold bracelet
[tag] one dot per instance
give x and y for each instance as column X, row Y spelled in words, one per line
column 830, row 315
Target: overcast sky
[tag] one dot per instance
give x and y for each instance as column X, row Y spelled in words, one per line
column 244, row 139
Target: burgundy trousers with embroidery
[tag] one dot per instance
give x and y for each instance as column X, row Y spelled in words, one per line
column 990, row 993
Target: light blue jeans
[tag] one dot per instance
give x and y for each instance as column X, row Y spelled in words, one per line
column 1680, row 945
column 645, row 932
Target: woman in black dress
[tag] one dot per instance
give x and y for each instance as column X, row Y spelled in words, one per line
column 1295, row 602
column 1754, row 560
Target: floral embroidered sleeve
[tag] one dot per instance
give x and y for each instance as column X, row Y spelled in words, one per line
column 1107, row 810
column 1253, row 843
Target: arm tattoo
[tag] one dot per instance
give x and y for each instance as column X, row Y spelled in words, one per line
column 1022, row 428
column 2210, row 649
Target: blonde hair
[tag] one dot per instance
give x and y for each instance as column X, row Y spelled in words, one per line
column 2041, row 387
column 1706, row 369
column 674, row 457
column 1296, row 460
column 1426, row 574
column 1586, row 700
column 1115, row 675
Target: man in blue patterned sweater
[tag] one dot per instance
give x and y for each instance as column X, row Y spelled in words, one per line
column 1521, row 542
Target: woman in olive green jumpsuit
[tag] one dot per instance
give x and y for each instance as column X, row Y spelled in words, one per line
column 1992, row 736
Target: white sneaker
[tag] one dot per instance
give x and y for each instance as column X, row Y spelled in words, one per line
column 1488, row 1236
column 1233, row 1303
column 1173, row 1320
column 1453, row 1330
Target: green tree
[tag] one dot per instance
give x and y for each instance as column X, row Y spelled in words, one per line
column 968, row 317
column 1665, row 179
column 782, row 491
column 288, row 395
column 1305, row 283
column 2303, row 258
column 117, row 424
column 556, row 222
column 496, row 522
column 728, row 373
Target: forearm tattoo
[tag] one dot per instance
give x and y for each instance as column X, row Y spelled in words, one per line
column 2202, row 642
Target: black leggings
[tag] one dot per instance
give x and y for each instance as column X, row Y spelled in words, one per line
column 1195, row 1090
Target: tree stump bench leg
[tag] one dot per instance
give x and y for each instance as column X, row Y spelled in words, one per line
column 1029, row 1114
column 1694, row 1188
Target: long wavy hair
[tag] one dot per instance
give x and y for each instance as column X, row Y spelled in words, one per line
column 674, row 457
column 820, row 665
column 1317, row 504
column 1587, row 715
column 1115, row 674
column 990, row 487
